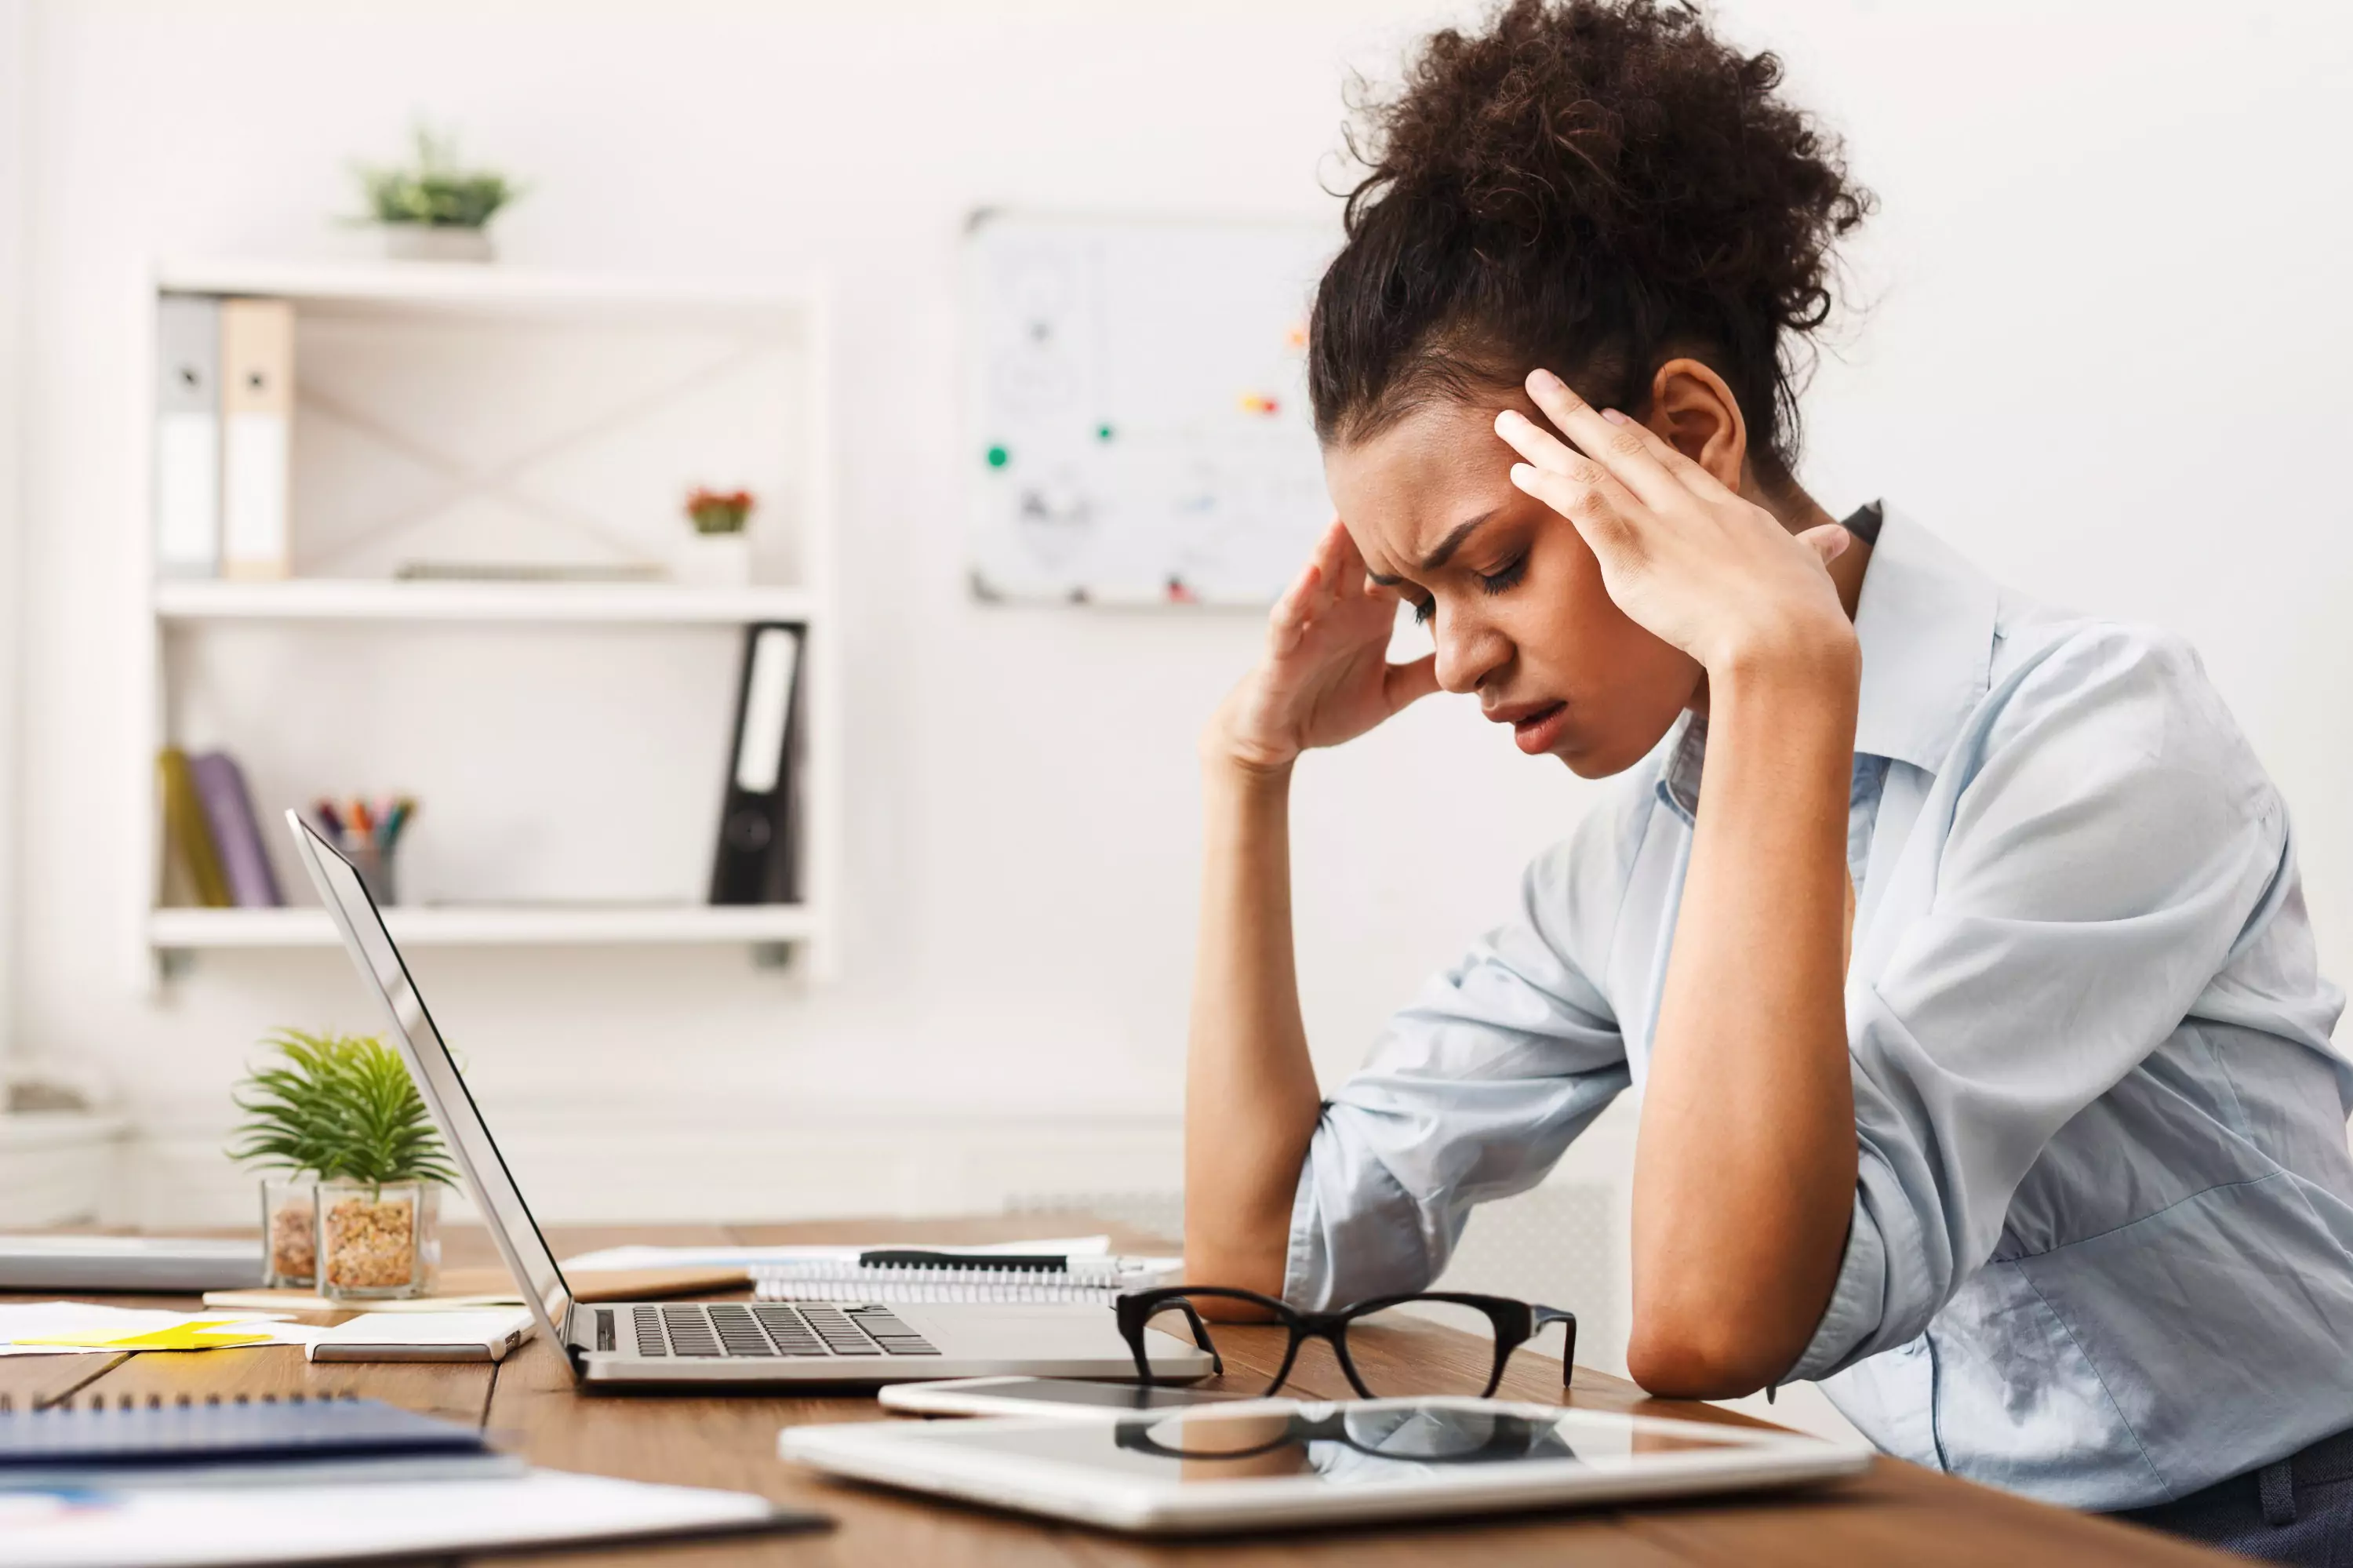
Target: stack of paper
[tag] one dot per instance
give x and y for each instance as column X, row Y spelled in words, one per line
column 198, row 1527
column 58, row 1328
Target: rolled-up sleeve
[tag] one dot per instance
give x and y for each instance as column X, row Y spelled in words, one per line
column 2107, row 841
column 1473, row 1093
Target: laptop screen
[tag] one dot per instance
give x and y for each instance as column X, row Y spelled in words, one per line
column 438, row 1078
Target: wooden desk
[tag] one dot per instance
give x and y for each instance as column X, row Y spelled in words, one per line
column 1895, row 1513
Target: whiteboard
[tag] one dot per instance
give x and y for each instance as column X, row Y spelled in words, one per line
column 1136, row 408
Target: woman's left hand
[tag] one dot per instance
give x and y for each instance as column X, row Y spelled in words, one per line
column 1692, row 562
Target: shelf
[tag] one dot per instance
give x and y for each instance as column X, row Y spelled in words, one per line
column 337, row 599
column 372, row 285
column 487, row 925
column 506, row 408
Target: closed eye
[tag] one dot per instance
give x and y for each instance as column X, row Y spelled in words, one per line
column 1494, row 582
column 1506, row 579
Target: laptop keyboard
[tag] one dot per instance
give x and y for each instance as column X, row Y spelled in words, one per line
column 773, row 1328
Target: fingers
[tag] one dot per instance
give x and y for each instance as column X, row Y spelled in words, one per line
column 1342, row 566
column 1336, row 570
column 1829, row 541
column 1649, row 466
column 1351, row 575
column 1596, row 500
column 1693, row 475
column 1607, row 446
column 1404, row 684
column 1563, row 478
column 1330, row 558
column 1287, row 622
column 1584, row 501
column 1349, row 568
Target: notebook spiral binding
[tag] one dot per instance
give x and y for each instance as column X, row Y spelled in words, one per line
column 95, row 1403
column 1083, row 1281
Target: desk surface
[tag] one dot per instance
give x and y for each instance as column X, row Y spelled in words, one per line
column 1894, row 1514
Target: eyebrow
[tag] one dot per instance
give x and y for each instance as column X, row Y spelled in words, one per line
column 1445, row 548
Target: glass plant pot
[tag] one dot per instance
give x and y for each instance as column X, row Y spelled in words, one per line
column 377, row 1242
column 289, row 1233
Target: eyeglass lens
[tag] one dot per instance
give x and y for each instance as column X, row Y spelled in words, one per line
column 1396, row 1352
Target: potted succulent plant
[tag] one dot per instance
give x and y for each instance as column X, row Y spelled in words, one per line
column 434, row 209
column 364, row 1167
column 719, row 551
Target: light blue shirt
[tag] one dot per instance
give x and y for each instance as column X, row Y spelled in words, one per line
column 2100, row 1244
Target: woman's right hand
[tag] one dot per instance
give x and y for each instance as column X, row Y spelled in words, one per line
column 1325, row 677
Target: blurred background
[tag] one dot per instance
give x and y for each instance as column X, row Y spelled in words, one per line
column 2099, row 345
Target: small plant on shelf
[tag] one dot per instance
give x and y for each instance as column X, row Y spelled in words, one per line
column 365, row 1165
column 719, row 510
column 434, row 209
column 718, row 554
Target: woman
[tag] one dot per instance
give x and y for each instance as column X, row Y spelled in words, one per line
column 1985, row 1067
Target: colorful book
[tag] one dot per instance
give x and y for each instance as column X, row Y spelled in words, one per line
column 236, row 832
column 187, row 841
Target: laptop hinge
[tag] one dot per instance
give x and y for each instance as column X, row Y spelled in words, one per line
column 573, row 1349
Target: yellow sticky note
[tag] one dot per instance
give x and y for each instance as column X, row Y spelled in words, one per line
column 181, row 1337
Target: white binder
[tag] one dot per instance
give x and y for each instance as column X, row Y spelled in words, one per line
column 187, row 436
column 258, row 417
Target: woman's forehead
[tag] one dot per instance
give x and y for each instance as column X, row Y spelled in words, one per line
column 1402, row 489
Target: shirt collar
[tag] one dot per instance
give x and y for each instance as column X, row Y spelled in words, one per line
column 1926, row 624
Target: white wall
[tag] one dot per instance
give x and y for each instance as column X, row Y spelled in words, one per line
column 2103, row 357
column 15, row 72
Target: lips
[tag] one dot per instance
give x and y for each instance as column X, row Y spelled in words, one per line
column 1535, row 726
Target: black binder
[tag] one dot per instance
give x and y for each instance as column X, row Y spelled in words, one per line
column 758, row 857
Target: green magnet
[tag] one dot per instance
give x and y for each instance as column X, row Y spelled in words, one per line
column 999, row 457
column 1102, row 432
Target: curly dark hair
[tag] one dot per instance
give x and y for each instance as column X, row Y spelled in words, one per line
column 1589, row 186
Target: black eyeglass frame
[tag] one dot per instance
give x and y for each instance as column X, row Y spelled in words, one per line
column 1514, row 1322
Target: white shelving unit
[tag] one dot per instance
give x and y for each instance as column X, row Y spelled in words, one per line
column 522, row 926
column 339, row 599
column 381, row 629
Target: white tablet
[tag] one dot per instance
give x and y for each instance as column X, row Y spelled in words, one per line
column 1274, row 1463
column 1076, row 1398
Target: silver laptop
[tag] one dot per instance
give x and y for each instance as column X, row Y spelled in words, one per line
column 638, row 1343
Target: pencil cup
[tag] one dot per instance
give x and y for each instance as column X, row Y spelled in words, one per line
column 374, row 863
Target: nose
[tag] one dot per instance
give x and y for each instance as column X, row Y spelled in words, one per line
column 1469, row 651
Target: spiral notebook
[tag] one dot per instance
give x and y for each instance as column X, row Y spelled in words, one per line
column 917, row 1277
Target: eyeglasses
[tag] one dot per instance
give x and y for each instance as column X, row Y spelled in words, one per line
column 1488, row 1329
column 1464, row 1435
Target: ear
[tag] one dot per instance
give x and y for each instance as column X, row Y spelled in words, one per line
column 1693, row 408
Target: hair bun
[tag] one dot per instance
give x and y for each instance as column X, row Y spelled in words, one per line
column 1615, row 161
